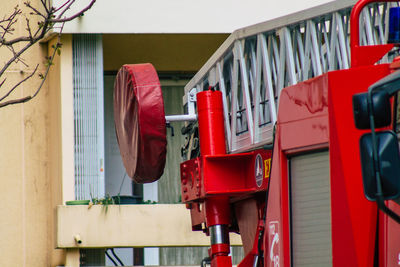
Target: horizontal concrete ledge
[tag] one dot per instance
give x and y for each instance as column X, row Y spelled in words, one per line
column 159, row 225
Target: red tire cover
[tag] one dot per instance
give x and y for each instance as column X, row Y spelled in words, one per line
column 140, row 122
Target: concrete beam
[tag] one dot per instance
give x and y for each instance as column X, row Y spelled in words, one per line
column 159, row 225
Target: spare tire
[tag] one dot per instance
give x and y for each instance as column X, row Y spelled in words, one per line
column 140, row 122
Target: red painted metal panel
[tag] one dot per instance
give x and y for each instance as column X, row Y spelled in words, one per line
column 311, row 114
column 391, row 231
column 304, row 100
column 300, row 135
column 276, row 236
column 353, row 216
column 303, row 116
column 230, row 174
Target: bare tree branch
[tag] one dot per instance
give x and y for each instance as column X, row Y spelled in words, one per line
column 15, row 101
column 17, row 58
column 3, row 82
column 12, row 19
column 63, row 5
column 28, row 28
column 19, row 83
column 35, row 11
column 50, row 63
column 65, row 8
column 50, row 18
column 76, row 15
column 43, row 29
column 44, row 4
column 27, row 98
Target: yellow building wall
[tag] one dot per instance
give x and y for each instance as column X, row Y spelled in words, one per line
column 61, row 142
column 36, row 138
column 28, row 161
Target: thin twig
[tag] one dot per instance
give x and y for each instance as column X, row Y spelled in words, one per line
column 19, row 83
column 36, row 37
column 19, row 53
column 27, row 98
column 33, row 36
column 44, row 4
column 37, row 12
column 49, row 63
column 65, row 9
column 11, row 21
column 1, row 84
column 80, row 13
column 24, row 99
column 28, row 28
column 15, row 101
column 62, row 6
column 17, row 58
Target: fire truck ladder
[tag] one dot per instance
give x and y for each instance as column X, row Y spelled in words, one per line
column 253, row 65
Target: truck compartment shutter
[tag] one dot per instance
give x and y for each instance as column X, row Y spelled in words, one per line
column 311, row 234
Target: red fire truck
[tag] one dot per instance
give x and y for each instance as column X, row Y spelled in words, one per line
column 322, row 191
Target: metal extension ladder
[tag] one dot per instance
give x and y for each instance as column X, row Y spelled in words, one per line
column 253, row 65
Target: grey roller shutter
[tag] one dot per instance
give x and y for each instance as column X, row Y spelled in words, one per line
column 311, row 210
column 87, row 53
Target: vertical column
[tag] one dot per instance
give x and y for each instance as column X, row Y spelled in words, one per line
column 65, row 103
column 151, row 255
column 212, row 142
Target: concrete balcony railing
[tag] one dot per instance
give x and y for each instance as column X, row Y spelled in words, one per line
column 159, row 225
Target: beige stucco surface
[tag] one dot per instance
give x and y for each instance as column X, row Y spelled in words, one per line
column 27, row 161
column 129, row 226
column 36, row 141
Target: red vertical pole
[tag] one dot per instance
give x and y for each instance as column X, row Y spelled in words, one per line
column 211, row 123
column 212, row 142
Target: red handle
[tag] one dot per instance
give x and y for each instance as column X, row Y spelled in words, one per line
column 364, row 55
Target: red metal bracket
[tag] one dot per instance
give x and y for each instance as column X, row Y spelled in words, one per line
column 229, row 175
column 369, row 54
